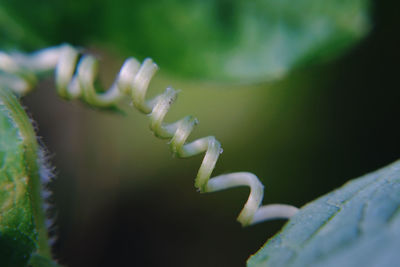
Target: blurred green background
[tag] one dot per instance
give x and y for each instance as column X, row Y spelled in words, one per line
column 305, row 95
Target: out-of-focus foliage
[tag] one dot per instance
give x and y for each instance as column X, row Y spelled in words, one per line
column 242, row 41
column 356, row 225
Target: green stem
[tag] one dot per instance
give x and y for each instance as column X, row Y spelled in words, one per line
column 32, row 164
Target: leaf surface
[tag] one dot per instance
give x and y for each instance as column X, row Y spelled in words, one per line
column 235, row 41
column 355, row 225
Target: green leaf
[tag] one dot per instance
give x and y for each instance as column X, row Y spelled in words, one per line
column 221, row 40
column 355, row 225
column 15, row 33
column 236, row 40
column 22, row 220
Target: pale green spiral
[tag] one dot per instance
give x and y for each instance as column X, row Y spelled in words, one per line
column 76, row 80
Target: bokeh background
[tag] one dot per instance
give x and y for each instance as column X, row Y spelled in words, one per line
column 303, row 95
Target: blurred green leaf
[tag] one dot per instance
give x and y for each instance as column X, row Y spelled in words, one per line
column 220, row 40
column 14, row 33
column 35, row 24
column 356, row 225
column 236, row 40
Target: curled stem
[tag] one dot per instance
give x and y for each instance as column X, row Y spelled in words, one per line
column 76, row 80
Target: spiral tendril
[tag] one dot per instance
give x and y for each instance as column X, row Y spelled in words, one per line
column 75, row 77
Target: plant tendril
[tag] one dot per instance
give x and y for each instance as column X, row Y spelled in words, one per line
column 75, row 80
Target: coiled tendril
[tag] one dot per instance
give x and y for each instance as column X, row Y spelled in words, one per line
column 76, row 80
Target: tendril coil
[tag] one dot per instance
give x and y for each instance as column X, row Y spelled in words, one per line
column 75, row 75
